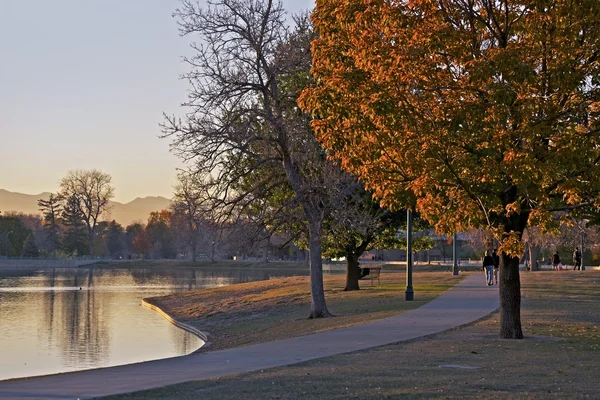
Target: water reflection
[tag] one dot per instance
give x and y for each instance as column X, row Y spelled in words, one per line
column 59, row 320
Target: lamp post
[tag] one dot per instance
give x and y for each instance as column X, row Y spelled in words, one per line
column 581, row 227
column 454, row 256
column 582, row 241
column 409, row 294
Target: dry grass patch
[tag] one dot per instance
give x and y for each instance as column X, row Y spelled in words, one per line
column 276, row 309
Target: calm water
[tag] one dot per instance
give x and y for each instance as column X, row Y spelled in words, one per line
column 59, row 320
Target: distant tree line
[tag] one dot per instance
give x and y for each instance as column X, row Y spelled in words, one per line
column 74, row 222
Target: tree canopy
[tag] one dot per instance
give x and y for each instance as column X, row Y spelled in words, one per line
column 89, row 193
column 485, row 111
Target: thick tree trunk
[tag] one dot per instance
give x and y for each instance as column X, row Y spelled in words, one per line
column 318, row 307
column 510, row 298
column 509, row 279
column 91, row 241
column 314, row 217
column 352, row 272
column 534, row 252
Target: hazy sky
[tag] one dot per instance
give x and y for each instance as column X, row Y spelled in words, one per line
column 83, row 84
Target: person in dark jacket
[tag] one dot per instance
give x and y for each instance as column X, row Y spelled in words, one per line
column 488, row 267
column 576, row 259
column 555, row 261
column 496, row 265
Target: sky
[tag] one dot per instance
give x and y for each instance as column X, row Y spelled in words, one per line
column 84, row 84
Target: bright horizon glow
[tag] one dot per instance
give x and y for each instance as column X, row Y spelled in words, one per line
column 84, row 85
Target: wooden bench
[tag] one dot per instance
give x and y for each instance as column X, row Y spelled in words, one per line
column 374, row 273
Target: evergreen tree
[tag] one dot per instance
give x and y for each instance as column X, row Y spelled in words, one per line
column 75, row 238
column 51, row 210
column 30, row 249
column 115, row 239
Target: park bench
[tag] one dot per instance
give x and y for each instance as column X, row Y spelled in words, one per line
column 373, row 274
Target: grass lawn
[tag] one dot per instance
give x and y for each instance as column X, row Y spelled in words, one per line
column 264, row 311
column 560, row 357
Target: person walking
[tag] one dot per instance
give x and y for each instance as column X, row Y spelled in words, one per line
column 577, row 259
column 488, row 267
column 555, row 261
column 496, row 265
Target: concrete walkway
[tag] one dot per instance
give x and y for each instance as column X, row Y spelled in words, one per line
column 464, row 303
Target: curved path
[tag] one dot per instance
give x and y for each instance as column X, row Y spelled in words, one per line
column 468, row 301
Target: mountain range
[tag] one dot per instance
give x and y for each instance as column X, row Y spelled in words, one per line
column 136, row 210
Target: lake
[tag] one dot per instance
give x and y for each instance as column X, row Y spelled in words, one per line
column 70, row 319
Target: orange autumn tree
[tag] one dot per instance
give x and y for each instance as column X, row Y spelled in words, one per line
column 485, row 110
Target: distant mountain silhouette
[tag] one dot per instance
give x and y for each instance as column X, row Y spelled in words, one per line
column 136, row 210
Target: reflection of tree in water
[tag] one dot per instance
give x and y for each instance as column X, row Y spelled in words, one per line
column 17, row 273
column 75, row 319
column 76, row 324
column 48, row 305
column 178, row 277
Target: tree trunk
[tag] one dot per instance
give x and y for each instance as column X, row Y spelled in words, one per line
column 194, row 247
column 509, row 279
column 352, row 272
column 314, row 217
column 510, row 298
column 534, row 252
column 318, row 307
column 266, row 250
column 91, row 241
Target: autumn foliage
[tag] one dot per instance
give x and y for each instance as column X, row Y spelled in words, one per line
column 478, row 112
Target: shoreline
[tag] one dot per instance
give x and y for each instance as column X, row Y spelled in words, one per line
column 186, row 327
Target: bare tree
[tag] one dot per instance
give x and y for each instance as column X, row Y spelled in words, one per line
column 245, row 75
column 480, row 240
column 90, row 192
column 192, row 201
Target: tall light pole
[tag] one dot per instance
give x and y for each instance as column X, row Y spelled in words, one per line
column 582, row 242
column 409, row 294
column 454, row 256
column 581, row 227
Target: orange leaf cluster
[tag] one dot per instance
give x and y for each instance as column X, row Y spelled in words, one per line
column 483, row 112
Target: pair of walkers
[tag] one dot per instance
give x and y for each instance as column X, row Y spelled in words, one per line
column 556, row 264
column 491, row 264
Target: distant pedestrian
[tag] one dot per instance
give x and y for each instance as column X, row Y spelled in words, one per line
column 555, row 261
column 496, row 265
column 576, row 259
column 488, row 267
